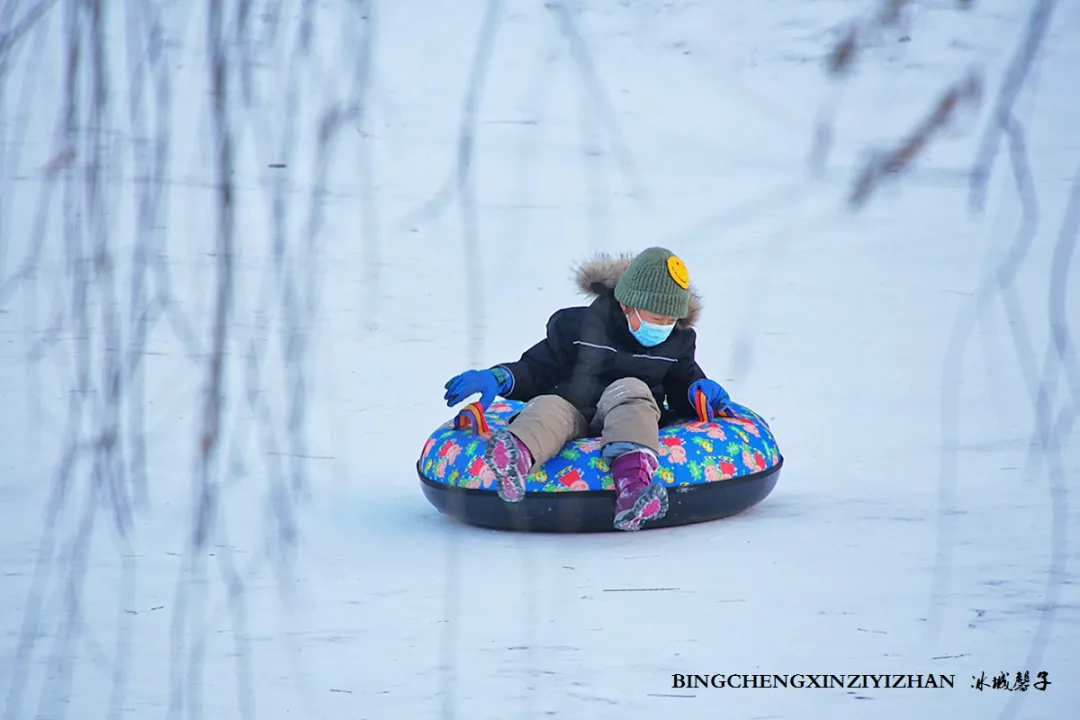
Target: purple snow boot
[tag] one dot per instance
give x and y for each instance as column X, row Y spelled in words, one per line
column 509, row 461
column 638, row 499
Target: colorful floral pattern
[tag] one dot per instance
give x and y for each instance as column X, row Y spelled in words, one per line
column 691, row 453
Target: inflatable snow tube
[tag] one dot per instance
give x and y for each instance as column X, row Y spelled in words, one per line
column 712, row 470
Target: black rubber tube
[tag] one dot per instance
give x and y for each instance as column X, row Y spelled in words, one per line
column 594, row 510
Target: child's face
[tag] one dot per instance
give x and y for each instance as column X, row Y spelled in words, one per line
column 632, row 315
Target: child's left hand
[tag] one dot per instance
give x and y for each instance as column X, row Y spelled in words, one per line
column 716, row 397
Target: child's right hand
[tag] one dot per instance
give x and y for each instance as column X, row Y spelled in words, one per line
column 469, row 383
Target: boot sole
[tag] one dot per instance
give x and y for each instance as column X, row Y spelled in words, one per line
column 652, row 504
column 509, row 480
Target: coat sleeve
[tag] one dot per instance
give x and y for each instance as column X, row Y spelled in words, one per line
column 683, row 373
column 545, row 363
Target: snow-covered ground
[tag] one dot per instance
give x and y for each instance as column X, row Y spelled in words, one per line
column 918, row 526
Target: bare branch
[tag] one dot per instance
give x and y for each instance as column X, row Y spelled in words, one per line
column 579, row 50
column 858, row 34
column 1013, row 83
column 21, row 28
column 460, row 173
column 884, row 166
column 1049, row 435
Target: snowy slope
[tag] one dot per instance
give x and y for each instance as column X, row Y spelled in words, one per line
column 899, row 539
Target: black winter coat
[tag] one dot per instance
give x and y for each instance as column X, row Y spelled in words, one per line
column 588, row 348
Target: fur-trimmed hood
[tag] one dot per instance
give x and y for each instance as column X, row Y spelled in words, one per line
column 598, row 276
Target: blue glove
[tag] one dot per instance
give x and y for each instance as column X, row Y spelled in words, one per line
column 716, row 396
column 471, row 382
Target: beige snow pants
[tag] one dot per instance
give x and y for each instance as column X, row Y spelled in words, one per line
column 626, row 412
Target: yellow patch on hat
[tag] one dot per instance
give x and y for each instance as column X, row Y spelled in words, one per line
column 678, row 272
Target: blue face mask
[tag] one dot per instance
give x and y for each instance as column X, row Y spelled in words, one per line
column 650, row 334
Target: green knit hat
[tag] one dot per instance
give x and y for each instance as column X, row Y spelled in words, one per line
column 656, row 281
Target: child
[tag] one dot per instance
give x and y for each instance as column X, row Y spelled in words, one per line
column 604, row 370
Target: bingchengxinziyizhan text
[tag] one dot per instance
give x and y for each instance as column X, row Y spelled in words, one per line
column 814, row 680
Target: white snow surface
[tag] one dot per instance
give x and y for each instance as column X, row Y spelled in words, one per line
column 899, row 540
